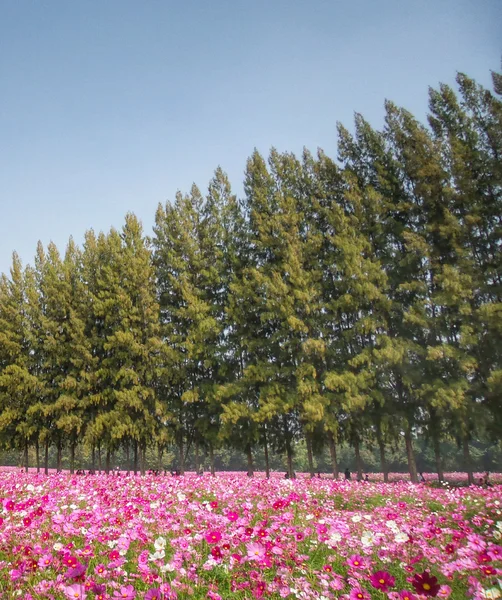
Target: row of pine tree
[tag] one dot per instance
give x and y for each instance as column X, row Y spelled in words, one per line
column 345, row 301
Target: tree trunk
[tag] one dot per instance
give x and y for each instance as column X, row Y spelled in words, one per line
column 160, row 452
column 310, row 457
column 143, row 458
column 181, row 450
column 381, row 447
column 211, row 458
column 332, row 451
column 100, row 465
column 289, row 453
column 467, row 460
column 197, row 461
column 412, row 467
column 72, row 458
column 267, row 463
column 128, row 458
column 135, row 457
column 26, row 460
column 93, row 459
column 37, row 455
column 107, row 461
column 249, row 455
column 359, row 467
column 59, row 460
column 437, row 455
column 46, row 458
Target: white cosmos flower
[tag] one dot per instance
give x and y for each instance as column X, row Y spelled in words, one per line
column 157, row 555
column 160, row 543
column 356, row 518
column 392, row 525
column 368, row 539
column 334, row 539
column 401, row 537
column 491, row 593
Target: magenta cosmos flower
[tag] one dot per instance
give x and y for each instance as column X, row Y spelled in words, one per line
column 426, row 584
column 382, row 580
column 359, row 594
column 213, row 537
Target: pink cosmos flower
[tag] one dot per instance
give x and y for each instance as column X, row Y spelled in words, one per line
column 44, row 561
column 495, row 552
column 213, row 537
column 126, row 593
column 444, row 591
column 75, row 592
column 382, row 580
column 74, row 572
column 15, row 574
column 100, row 570
column 359, row 594
column 405, row 595
column 232, row 515
column 255, row 551
column 356, row 562
column 153, row 594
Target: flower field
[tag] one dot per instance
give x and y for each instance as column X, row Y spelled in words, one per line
column 230, row 536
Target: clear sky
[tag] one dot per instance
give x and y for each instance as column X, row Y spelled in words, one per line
column 109, row 106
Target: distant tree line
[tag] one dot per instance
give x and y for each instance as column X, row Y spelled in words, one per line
column 355, row 301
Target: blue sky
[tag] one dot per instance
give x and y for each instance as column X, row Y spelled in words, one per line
column 112, row 106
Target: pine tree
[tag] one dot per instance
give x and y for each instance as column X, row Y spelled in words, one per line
column 469, row 132
column 189, row 261
column 274, row 303
column 126, row 319
column 74, row 353
column 17, row 385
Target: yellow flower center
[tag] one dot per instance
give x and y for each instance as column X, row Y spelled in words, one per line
column 427, row 586
column 381, row 581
